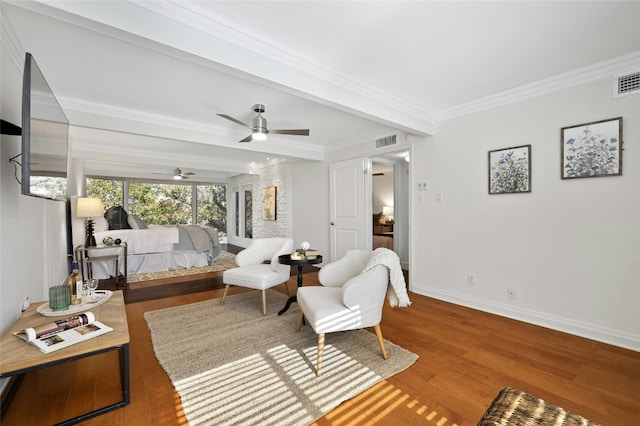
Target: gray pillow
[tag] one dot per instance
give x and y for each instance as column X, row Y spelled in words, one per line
column 135, row 222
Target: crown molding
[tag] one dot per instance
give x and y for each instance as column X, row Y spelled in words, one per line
column 598, row 71
column 11, row 42
column 225, row 45
column 203, row 19
column 159, row 126
column 192, row 32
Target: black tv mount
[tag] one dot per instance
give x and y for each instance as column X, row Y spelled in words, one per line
column 7, row 128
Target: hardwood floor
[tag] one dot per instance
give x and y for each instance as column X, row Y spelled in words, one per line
column 466, row 357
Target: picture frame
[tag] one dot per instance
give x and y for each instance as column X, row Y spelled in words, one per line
column 592, row 149
column 269, row 203
column 510, row 170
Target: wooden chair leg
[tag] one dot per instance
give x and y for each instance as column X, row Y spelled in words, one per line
column 224, row 295
column 381, row 341
column 299, row 322
column 286, row 287
column 320, row 351
column 264, row 302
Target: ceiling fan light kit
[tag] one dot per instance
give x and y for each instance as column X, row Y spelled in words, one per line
column 259, row 135
column 259, row 130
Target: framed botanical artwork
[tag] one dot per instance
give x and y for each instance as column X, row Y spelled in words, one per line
column 269, row 198
column 510, row 170
column 592, row 149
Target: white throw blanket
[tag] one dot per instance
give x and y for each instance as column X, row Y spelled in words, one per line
column 397, row 292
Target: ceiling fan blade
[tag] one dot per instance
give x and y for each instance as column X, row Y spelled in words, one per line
column 188, row 174
column 247, row 139
column 234, row 120
column 299, row 132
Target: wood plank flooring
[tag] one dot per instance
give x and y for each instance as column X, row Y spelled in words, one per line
column 466, row 357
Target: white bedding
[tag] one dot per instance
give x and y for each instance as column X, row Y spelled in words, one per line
column 155, row 239
column 158, row 248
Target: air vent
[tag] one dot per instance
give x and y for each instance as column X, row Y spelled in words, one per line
column 627, row 84
column 386, row 141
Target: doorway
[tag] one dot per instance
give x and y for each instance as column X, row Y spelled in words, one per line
column 390, row 204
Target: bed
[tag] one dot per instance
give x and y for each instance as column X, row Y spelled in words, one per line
column 383, row 240
column 159, row 248
column 382, row 232
column 151, row 248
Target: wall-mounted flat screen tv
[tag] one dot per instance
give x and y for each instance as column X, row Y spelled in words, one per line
column 45, row 137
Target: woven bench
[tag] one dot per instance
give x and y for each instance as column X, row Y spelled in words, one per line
column 515, row 408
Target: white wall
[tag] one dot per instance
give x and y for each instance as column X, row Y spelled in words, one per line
column 570, row 249
column 32, row 230
column 33, row 242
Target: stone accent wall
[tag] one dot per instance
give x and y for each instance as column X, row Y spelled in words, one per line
column 278, row 175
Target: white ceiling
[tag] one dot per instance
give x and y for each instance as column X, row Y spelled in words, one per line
column 153, row 75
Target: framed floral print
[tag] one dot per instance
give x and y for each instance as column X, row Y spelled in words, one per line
column 510, row 170
column 592, row 149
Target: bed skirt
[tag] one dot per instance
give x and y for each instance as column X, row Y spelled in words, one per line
column 154, row 262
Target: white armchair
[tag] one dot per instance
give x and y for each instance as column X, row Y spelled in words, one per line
column 253, row 273
column 348, row 299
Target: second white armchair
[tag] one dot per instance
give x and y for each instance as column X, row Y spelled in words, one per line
column 253, row 272
column 351, row 297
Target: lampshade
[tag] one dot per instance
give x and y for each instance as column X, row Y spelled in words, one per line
column 387, row 211
column 89, row 207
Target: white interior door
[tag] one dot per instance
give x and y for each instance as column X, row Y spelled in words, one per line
column 349, row 204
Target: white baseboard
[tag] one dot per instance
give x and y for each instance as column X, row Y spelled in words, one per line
column 554, row 322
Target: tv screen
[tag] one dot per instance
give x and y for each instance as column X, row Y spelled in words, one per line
column 45, row 137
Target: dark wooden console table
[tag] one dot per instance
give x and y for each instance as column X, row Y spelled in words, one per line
column 286, row 259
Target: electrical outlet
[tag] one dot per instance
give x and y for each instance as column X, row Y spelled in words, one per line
column 471, row 279
column 511, row 294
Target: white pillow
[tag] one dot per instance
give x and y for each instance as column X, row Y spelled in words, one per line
column 100, row 224
column 135, row 222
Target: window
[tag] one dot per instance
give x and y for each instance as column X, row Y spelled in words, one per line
column 160, row 203
column 243, row 211
column 110, row 191
column 211, row 206
column 248, row 212
column 164, row 203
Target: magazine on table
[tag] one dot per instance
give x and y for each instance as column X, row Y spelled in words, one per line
column 63, row 333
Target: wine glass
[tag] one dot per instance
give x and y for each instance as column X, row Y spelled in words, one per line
column 92, row 285
column 84, row 292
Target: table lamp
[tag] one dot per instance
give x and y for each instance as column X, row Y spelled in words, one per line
column 88, row 208
column 387, row 211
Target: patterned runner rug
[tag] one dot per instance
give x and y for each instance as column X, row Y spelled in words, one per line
column 233, row 366
column 224, row 261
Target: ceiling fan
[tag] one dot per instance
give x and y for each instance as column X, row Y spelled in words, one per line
column 259, row 129
column 177, row 174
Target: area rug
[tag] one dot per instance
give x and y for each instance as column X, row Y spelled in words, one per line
column 222, row 262
column 233, row 366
